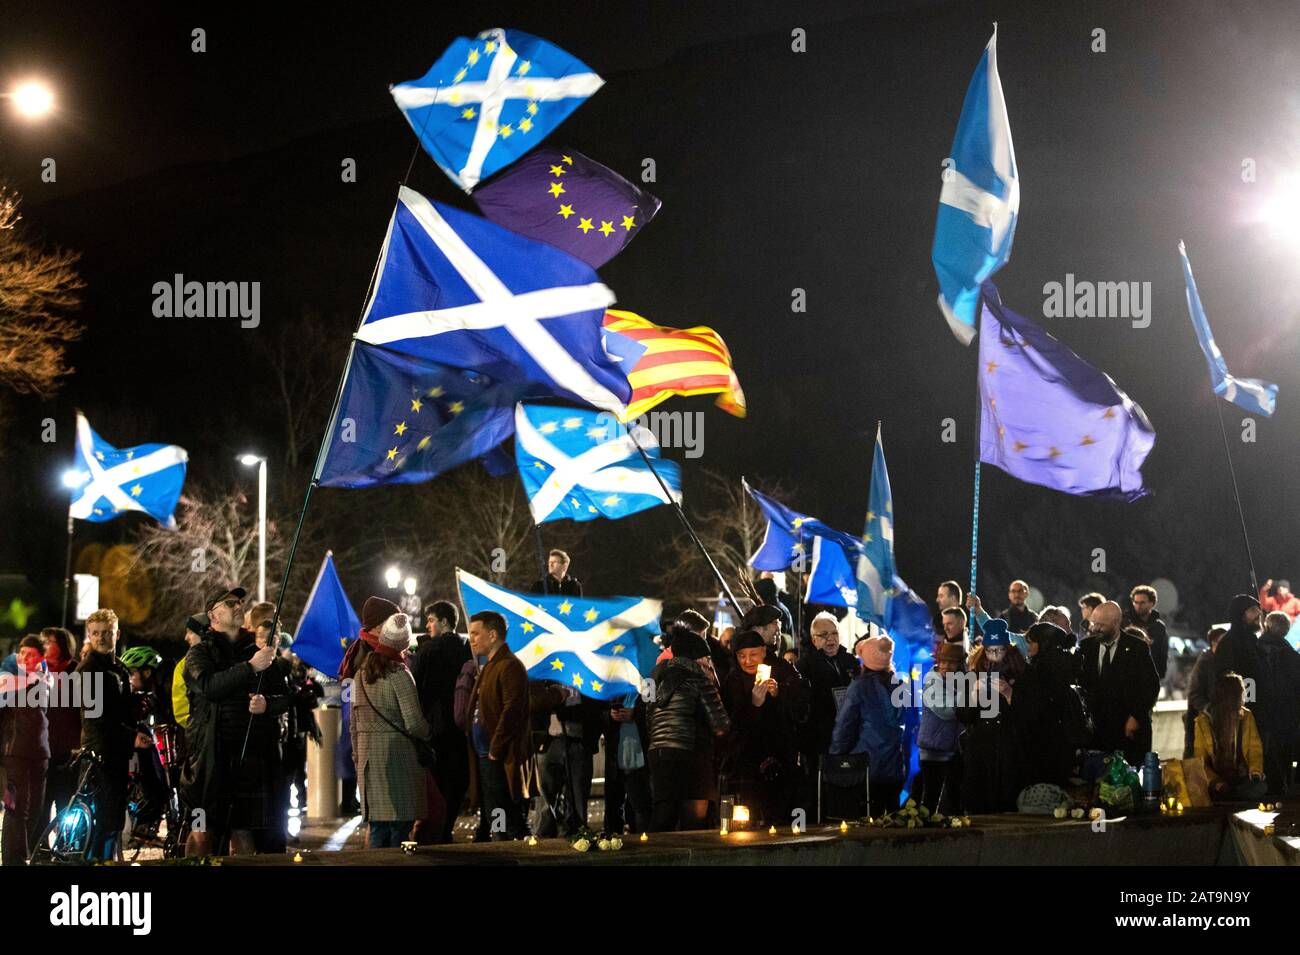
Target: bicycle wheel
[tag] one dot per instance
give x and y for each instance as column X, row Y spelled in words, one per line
column 74, row 829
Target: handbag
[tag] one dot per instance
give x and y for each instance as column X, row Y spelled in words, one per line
column 424, row 753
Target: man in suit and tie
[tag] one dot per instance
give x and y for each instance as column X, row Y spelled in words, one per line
column 1121, row 683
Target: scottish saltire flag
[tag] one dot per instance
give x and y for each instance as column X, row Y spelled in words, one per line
column 979, row 201
column 111, row 481
column 1050, row 418
column 876, row 572
column 328, row 623
column 564, row 199
column 789, row 535
column 1257, row 397
column 603, row 646
column 677, row 361
column 404, row 420
column 458, row 290
column 831, row 577
column 584, row 464
column 489, row 100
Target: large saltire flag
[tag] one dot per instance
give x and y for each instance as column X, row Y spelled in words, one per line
column 1050, row 418
column 876, row 571
column 602, row 646
column 980, row 199
column 458, row 290
column 106, row 481
column 677, row 361
column 489, row 100
column 328, row 623
column 569, row 201
column 1257, row 397
column 584, row 464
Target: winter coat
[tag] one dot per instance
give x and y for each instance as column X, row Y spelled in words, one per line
column 869, row 722
column 940, row 729
column 758, row 733
column 393, row 784
column 435, row 667
column 1238, row 650
column 111, row 734
column 25, row 729
column 1290, row 606
column 1154, row 626
column 1054, row 717
column 824, row 675
column 686, row 712
column 994, row 758
column 1250, row 749
column 1279, row 710
column 1019, row 619
column 500, row 697
column 568, row 587
column 219, row 681
column 1201, row 683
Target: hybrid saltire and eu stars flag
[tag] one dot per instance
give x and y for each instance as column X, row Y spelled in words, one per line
column 979, row 201
column 581, row 464
column 603, row 647
column 489, row 100
column 328, row 622
column 1257, row 397
column 113, row 481
column 466, row 318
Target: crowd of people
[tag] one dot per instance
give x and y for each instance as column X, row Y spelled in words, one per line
column 793, row 718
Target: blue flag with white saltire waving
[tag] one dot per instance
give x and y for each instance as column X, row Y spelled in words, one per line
column 979, row 201
column 328, row 623
column 789, row 535
column 876, row 571
column 108, row 481
column 1257, row 397
column 604, row 646
column 584, row 464
column 456, row 289
column 489, row 100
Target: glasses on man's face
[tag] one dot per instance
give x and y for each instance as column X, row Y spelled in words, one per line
column 232, row 603
column 825, row 636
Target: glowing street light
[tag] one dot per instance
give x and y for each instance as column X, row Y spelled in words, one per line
column 409, row 586
column 33, row 99
column 73, row 478
column 248, row 460
column 393, row 577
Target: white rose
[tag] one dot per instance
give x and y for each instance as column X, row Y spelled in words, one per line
column 582, row 845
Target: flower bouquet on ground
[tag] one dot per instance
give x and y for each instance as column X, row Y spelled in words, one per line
column 914, row 816
column 585, row 840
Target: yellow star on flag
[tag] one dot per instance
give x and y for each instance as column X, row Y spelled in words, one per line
column 1019, row 446
column 595, row 432
column 618, row 648
column 456, row 407
column 867, row 538
column 490, row 46
column 525, row 66
column 539, row 465
column 415, row 404
column 565, row 607
column 1087, row 439
column 392, row 453
column 566, row 210
column 548, row 427
column 590, row 615
column 400, row 429
column 558, row 170
column 871, row 516
column 606, row 227
column 528, row 627
column 557, row 664
column 100, row 455
column 628, row 223
column 526, row 125
column 473, row 56
column 130, row 455
column 577, row 679
column 585, row 225
column 424, row 443
column 568, row 159
column 556, row 189
column 1110, row 413
column 436, row 391
column 506, row 131
column 1054, row 453
column 572, row 424
column 460, row 75
column 596, row 686
column 532, row 109
column 468, row 113
column 575, row 502
column 135, row 491
column 611, row 500
column 539, row 651
column 992, row 365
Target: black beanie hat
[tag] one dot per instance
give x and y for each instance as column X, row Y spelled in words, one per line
column 746, row 639
column 687, row 645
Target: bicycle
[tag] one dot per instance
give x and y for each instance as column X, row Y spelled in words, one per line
column 77, row 830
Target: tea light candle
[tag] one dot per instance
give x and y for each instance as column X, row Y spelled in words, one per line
column 844, row 826
column 645, row 837
column 772, row 831
column 764, row 673
column 297, row 857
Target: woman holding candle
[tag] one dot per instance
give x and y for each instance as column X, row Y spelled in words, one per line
column 686, row 716
column 761, row 759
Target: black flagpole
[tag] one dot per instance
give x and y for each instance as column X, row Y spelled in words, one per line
column 1254, row 582
column 67, row 572
column 685, row 523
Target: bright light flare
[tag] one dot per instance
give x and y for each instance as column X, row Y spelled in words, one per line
column 74, row 478
column 1281, row 212
column 409, row 586
column 392, row 577
column 33, row 99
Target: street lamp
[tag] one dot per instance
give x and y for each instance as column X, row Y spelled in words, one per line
column 393, row 577
column 248, row 460
column 409, row 586
column 72, row 478
column 33, row 99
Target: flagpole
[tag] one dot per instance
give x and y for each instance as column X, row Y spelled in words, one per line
column 541, row 559
column 798, row 595
column 1241, row 514
column 67, row 574
column 685, row 522
column 974, row 550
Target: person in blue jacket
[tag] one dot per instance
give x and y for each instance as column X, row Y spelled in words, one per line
column 870, row 721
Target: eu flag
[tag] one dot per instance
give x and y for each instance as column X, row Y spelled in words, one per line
column 603, row 646
column 569, row 201
column 328, row 622
column 489, row 100
column 1050, row 418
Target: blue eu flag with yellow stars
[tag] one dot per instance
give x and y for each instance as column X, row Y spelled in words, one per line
column 403, row 420
column 328, row 623
column 489, row 100
column 603, row 647
column 569, row 201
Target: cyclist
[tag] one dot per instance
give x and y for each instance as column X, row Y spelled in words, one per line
column 149, row 793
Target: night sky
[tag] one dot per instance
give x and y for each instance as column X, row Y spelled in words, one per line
column 777, row 171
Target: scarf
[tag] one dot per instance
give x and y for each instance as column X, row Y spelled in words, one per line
column 348, row 668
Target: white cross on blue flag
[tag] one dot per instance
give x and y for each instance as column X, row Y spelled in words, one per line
column 110, row 481
column 489, row 100
column 584, row 464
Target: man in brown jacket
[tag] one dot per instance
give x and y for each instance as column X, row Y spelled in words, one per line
column 498, row 737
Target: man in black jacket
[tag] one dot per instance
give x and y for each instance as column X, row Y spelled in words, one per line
column 557, row 580
column 236, row 698
column 828, row 668
column 435, row 667
column 1238, row 651
column 1145, row 615
column 1018, row 615
column 1120, row 682
column 107, row 729
column 1279, row 715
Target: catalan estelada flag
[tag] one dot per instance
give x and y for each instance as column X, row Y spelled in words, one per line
column 677, row 361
